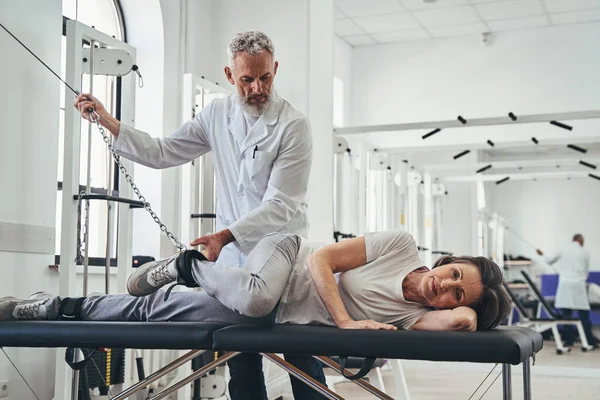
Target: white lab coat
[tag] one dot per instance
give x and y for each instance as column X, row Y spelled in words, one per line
column 573, row 272
column 261, row 175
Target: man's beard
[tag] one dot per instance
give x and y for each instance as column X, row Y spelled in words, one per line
column 258, row 109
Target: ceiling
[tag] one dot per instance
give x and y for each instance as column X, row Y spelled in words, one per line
column 368, row 22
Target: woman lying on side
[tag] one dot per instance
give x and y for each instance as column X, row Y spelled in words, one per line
column 382, row 284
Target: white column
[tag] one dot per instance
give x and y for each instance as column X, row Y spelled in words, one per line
column 492, row 227
column 391, row 198
column 437, row 216
column 362, row 189
column 353, row 192
column 427, row 218
column 381, row 211
column 500, row 243
column 413, row 220
column 207, row 197
column 402, row 194
column 320, row 113
column 338, row 189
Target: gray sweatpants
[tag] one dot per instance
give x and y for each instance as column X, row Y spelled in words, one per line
column 230, row 295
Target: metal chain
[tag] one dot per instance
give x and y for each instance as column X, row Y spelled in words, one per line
column 163, row 227
column 83, row 230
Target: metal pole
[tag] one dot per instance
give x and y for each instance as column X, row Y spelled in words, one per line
column 202, row 371
column 506, row 382
column 360, row 382
column 77, row 356
column 109, row 213
column 75, row 386
column 526, row 380
column 317, row 386
column 86, row 234
column 88, row 182
column 158, row 374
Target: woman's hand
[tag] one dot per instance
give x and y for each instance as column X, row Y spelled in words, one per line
column 366, row 324
column 459, row 319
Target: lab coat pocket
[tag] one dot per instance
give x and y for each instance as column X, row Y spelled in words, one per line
column 261, row 164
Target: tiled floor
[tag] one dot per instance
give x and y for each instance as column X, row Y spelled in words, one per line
column 571, row 376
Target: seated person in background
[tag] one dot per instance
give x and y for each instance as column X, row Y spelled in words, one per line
column 287, row 279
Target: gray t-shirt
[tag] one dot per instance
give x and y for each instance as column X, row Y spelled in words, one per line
column 371, row 291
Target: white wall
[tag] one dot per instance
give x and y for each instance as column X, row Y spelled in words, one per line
column 29, row 104
column 459, row 207
column 145, row 33
column 286, row 23
column 342, row 68
column 548, row 213
column 201, row 47
column 526, row 72
column 537, row 71
column 302, row 33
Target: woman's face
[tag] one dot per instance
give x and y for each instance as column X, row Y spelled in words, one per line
column 452, row 285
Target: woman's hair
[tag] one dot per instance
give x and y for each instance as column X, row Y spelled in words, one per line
column 494, row 304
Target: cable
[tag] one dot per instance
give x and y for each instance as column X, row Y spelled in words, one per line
column 43, row 63
column 19, row 372
column 101, row 377
column 486, row 390
column 484, row 379
column 508, row 228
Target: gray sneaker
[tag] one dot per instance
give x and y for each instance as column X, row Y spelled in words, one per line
column 40, row 296
column 151, row 276
column 13, row 309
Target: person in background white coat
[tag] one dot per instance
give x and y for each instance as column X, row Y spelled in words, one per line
column 571, row 293
column 262, row 151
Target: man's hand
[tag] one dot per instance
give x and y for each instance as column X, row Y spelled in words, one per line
column 539, row 252
column 213, row 244
column 366, row 324
column 85, row 102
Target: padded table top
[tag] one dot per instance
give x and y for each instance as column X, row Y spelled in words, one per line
column 506, row 345
column 510, row 345
column 93, row 334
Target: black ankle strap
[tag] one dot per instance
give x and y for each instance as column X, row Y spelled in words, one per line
column 183, row 264
column 70, row 308
column 184, row 267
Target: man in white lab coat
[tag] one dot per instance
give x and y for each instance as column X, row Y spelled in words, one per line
column 571, row 293
column 262, row 151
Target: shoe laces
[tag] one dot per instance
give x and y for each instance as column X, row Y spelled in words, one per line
column 161, row 274
column 29, row 311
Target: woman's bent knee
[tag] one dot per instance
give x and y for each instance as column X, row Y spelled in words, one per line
column 257, row 307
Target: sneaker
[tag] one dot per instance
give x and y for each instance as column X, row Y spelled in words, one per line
column 151, row 276
column 13, row 309
column 40, row 296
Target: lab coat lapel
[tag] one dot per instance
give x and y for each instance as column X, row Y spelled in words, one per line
column 237, row 124
column 260, row 129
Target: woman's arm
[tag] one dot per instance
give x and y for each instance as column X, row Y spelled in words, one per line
column 458, row 319
column 339, row 257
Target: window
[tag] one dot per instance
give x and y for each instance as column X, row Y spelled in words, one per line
column 105, row 16
column 338, row 102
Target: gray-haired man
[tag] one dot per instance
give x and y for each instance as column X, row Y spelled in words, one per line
column 262, row 151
